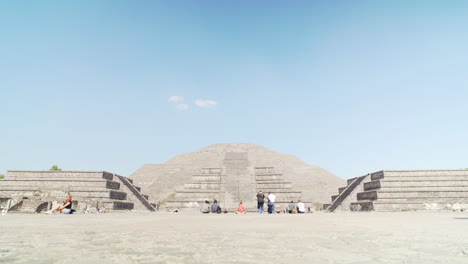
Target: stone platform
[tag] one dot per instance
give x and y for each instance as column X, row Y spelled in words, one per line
column 36, row 191
column 404, row 190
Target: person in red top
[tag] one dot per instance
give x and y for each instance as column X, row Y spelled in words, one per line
column 240, row 209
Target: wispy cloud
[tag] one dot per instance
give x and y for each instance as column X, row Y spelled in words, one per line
column 175, row 99
column 205, row 103
column 179, row 102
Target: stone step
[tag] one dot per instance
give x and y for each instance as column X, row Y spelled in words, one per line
column 63, row 184
column 269, row 177
column 392, row 207
column 289, row 195
column 211, row 171
column 382, row 184
column 427, row 178
column 421, row 189
column 60, row 174
column 198, row 191
column 206, row 178
column 426, row 173
column 429, row 194
column 277, row 190
column 196, row 198
column 441, row 183
column 53, row 178
column 203, row 195
column 449, row 200
column 70, row 189
column 119, row 206
column 363, row 206
column 374, row 195
column 183, row 204
column 273, row 185
column 203, row 186
column 117, row 195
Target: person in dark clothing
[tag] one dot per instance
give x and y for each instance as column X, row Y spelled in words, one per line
column 65, row 208
column 260, row 202
column 215, row 208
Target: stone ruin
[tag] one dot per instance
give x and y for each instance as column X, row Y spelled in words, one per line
column 231, row 173
column 404, row 191
column 38, row 191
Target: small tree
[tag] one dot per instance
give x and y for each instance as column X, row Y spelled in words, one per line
column 2, row 176
column 55, row 168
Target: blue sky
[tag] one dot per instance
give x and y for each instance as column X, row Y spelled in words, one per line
column 351, row 86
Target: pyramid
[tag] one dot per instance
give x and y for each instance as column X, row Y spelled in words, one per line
column 235, row 172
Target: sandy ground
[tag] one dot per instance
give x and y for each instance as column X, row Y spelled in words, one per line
column 406, row 237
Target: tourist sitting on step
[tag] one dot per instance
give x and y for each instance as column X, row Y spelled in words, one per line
column 300, row 207
column 215, row 208
column 240, row 209
column 206, row 207
column 65, row 208
column 292, row 208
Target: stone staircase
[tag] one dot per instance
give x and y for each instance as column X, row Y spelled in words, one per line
column 267, row 180
column 29, row 191
column 211, row 184
column 408, row 190
column 208, row 185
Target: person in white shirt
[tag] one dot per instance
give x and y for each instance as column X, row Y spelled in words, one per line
column 300, row 207
column 271, row 203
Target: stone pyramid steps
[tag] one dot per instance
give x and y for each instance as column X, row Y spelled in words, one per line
column 421, row 200
column 206, row 178
column 412, row 190
column 261, row 185
column 424, row 173
column 419, row 188
column 196, row 195
column 205, row 186
column 61, row 183
column 38, row 187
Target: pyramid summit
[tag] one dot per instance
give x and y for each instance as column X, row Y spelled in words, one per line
column 234, row 172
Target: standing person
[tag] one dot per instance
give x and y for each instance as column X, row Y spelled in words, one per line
column 206, row 207
column 260, row 202
column 271, row 202
column 300, row 207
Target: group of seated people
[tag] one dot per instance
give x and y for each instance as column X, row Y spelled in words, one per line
column 292, row 208
column 298, row 208
column 215, row 208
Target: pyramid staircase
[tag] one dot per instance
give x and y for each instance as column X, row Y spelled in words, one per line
column 404, row 190
column 267, row 180
column 208, row 185
column 35, row 191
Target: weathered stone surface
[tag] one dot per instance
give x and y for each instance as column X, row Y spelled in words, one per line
column 408, row 190
column 33, row 191
column 234, row 172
